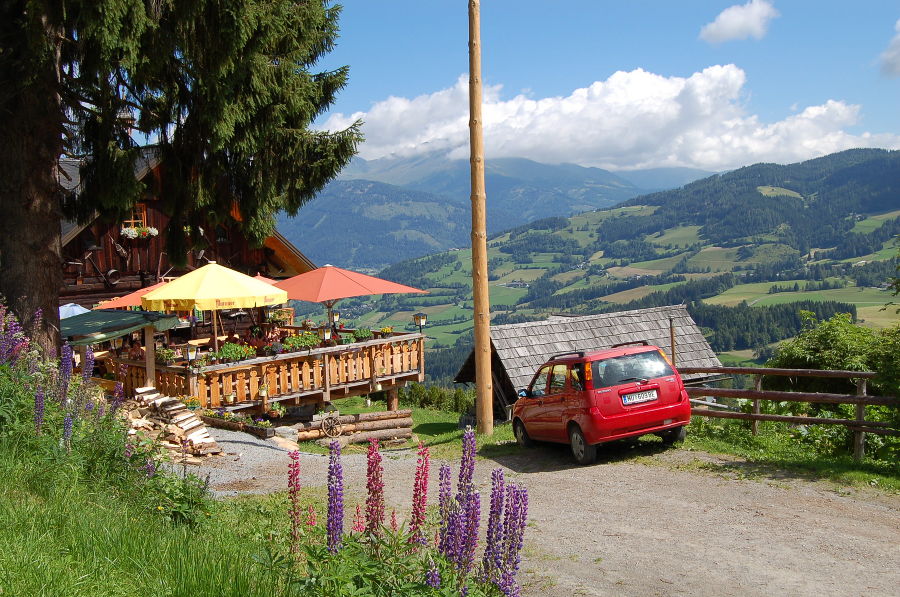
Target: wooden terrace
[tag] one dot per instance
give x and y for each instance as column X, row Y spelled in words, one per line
column 314, row 376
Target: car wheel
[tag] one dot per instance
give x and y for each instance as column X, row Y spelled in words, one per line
column 583, row 452
column 521, row 435
column 671, row 436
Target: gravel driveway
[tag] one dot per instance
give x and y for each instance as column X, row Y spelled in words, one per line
column 642, row 522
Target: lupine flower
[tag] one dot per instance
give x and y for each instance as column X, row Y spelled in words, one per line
column 38, row 409
column 65, row 370
column 516, row 515
column 433, row 576
column 359, row 523
column 375, row 489
column 89, row 406
column 335, row 522
column 68, row 422
column 444, row 506
column 87, row 369
column 118, row 397
column 468, row 532
column 150, row 468
column 466, row 464
column 294, row 495
column 101, row 410
column 492, row 559
column 310, row 516
column 394, row 525
column 129, row 451
column 420, row 497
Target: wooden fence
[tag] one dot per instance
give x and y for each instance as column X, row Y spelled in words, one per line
column 860, row 399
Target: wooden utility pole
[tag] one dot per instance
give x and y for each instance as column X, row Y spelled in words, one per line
column 484, row 399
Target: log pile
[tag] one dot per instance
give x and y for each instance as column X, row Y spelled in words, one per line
column 168, row 421
column 362, row 427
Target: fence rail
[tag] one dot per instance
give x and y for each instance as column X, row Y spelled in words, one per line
column 860, row 399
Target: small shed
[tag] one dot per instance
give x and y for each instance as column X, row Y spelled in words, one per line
column 518, row 349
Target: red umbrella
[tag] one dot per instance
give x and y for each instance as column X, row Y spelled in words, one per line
column 329, row 284
column 129, row 300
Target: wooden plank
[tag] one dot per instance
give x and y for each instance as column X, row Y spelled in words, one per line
column 859, row 436
column 718, row 414
column 307, row 376
column 283, row 378
column 822, row 398
column 215, row 391
column 295, row 376
column 241, row 386
column 783, row 372
column 254, row 383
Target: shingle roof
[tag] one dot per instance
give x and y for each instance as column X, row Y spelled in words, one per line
column 523, row 347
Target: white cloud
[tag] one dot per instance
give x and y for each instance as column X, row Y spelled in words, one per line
column 890, row 58
column 740, row 22
column 633, row 119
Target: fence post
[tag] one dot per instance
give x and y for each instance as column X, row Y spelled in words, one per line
column 757, row 385
column 859, row 437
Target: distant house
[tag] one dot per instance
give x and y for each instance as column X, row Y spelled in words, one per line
column 518, row 349
column 101, row 261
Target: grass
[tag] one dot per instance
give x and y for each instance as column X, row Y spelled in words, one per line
column 681, row 236
column 768, row 191
column 775, row 453
column 873, row 222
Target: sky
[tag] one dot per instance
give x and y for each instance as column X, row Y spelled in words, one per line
column 623, row 84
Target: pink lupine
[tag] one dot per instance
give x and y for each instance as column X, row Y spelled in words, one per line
column 375, row 487
column 359, row 523
column 294, row 496
column 420, row 497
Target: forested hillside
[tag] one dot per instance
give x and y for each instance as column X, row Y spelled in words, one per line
column 744, row 250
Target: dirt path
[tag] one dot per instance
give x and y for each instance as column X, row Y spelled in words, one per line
column 666, row 523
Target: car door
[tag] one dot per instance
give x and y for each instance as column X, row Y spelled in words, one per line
column 550, row 416
column 533, row 404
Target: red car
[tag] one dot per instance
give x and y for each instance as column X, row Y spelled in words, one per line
column 584, row 399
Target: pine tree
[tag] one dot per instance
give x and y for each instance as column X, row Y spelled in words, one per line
column 223, row 88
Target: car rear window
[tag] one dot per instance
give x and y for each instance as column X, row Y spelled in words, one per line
column 629, row 367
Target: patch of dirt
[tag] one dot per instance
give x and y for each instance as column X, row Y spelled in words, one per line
column 655, row 522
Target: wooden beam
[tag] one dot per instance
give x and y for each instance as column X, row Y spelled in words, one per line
column 150, row 356
column 484, row 400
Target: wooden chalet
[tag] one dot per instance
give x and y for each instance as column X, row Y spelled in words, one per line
column 101, row 263
column 518, row 349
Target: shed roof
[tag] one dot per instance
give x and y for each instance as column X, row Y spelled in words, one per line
column 523, row 347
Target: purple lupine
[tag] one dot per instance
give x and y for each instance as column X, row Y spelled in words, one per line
column 516, row 517
column 375, row 490
column 467, row 539
column 38, row 409
column 335, row 525
column 294, row 495
column 420, row 498
column 150, row 468
column 118, row 397
column 492, row 559
column 65, row 369
column 433, row 576
column 87, row 368
column 444, row 506
column 129, row 451
column 68, row 422
column 466, row 464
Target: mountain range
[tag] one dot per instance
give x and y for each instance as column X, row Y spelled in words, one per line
column 383, row 211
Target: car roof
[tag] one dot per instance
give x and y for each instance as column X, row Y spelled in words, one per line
column 603, row 353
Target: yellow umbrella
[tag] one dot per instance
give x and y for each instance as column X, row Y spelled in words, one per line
column 210, row 288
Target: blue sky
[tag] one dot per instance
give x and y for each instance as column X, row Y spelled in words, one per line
column 621, row 85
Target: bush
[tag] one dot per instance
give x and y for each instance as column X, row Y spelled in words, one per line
column 435, row 397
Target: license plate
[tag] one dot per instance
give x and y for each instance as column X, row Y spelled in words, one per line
column 639, row 397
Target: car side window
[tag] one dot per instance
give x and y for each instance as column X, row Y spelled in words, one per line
column 539, row 387
column 558, row 379
column 576, row 374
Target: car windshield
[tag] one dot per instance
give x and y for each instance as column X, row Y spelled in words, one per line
column 629, row 367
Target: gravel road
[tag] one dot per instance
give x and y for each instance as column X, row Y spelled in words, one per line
column 642, row 521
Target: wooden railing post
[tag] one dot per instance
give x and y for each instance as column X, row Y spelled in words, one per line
column 859, row 436
column 757, row 385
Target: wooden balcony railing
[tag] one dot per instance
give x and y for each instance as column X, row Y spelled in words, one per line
column 315, row 375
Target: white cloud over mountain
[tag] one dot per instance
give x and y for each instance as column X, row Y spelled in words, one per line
column 633, row 119
column 890, row 58
column 740, row 22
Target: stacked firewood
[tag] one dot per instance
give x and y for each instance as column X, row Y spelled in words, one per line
column 352, row 429
column 168, row 421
